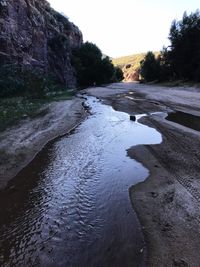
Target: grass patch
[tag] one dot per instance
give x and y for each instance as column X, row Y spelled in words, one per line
column 14, row 109
column 59, row 96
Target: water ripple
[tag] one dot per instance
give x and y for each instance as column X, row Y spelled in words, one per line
column 72, row 206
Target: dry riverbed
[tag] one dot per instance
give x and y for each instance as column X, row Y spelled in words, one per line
column 167, row 203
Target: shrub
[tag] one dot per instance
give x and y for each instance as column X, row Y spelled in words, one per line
column 32, row 83
column 11, row 83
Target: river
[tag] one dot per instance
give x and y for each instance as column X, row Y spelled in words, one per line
column 70, row 206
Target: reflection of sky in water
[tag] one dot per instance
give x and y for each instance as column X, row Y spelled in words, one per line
column 185, row 119
column 80, row 207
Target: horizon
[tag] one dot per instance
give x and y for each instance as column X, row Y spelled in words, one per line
column 125, row 28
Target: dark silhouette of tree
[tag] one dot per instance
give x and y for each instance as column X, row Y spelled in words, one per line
column 184, row 53
column 181, row 60
column 165, row 71
column 149, row 67
column 91, row 67
column 119, row 74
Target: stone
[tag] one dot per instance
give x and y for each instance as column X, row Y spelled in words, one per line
column 132, row 117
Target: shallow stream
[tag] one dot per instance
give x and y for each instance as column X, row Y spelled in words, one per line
column 71, row 205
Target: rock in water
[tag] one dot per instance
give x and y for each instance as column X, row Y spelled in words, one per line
column 132, row 117
column 36, row 36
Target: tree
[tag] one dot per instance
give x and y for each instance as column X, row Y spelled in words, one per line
column 181, row 60
column 87, row 60
column 91, row 67
column 149, row 69
column 184, row 53
column 165, row 71
column 119, row 74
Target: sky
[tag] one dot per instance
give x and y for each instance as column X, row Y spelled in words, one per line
column 125, row 27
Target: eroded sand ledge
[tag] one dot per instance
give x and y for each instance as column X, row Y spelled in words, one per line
column 167, row 203
column 19, row 144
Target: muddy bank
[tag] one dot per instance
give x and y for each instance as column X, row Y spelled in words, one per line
column 167, row 203
column 19, row 144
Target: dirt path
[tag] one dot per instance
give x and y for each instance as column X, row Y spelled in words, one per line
column 19, row 144
column 167, row 203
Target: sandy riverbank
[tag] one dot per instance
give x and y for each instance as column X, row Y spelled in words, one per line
column 20, row 143
column 167, row 203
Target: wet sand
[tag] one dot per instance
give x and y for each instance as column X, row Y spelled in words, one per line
column 167, row 202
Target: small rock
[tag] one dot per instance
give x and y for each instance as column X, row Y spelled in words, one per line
column 132, row 117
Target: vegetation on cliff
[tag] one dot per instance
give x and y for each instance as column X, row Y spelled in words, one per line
column 181, row 60
column 27, row 82
column 23, row 92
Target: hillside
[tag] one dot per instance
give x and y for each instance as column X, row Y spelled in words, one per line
column 130, row 65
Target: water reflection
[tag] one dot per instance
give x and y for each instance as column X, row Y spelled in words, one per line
column 70, row 206
column 185, row 119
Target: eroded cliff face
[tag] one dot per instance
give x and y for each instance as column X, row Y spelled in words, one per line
column 32, row 34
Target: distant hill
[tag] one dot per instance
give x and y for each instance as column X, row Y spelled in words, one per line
column 130, row 65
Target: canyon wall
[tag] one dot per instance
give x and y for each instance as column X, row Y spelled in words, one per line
column 34, row 35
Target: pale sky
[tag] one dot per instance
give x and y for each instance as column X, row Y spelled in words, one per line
column 125, row 27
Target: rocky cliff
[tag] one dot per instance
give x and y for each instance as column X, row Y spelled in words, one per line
column 34, row 35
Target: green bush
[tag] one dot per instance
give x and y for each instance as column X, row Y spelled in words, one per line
column 34, row 84
column 10, row 82
column 31, row 83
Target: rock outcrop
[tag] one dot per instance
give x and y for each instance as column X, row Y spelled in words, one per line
column 34, row 35
column 130, row 74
